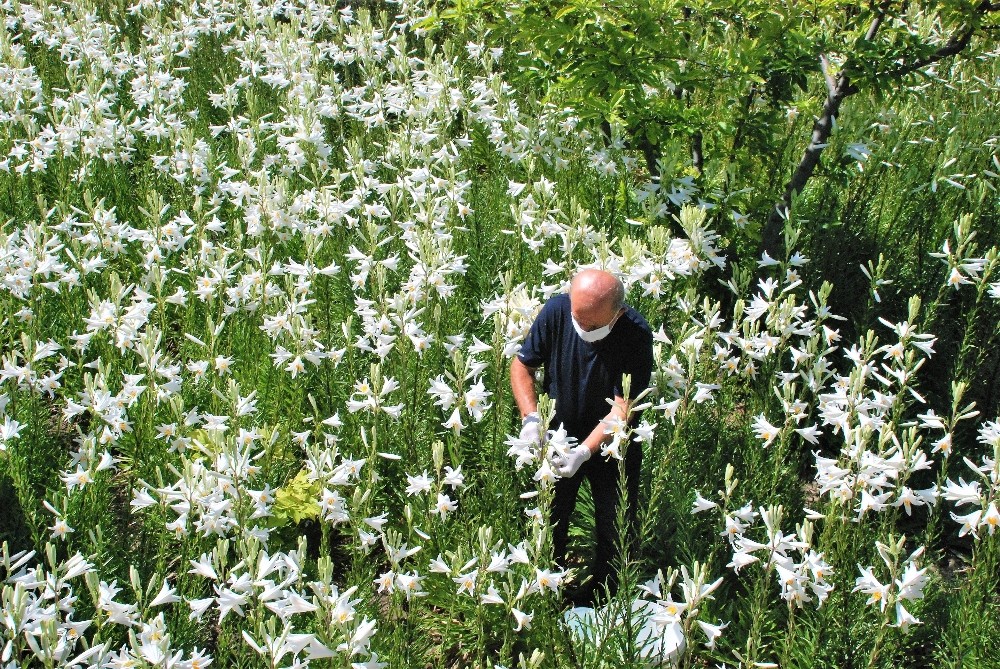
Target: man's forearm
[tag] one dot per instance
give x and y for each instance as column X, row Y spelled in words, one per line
column 522, row 384
column 598, row 437
column 595, row 440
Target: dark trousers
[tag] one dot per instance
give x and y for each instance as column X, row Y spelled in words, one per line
column 603, row 474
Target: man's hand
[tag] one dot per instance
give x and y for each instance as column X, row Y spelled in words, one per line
column 531, row 428
column 569, row 464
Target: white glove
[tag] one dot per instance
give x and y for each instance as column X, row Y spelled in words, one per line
column 531, row 429
column 569, row 464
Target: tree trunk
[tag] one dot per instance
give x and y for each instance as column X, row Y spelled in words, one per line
column 697, row 152
column 836, row 91
column 822, row 128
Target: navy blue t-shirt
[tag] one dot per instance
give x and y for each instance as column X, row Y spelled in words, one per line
column 582, row 376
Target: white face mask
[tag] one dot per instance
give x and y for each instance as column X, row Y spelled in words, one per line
column 590, row 336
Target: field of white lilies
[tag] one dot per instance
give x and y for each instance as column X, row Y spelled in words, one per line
column 263, row 268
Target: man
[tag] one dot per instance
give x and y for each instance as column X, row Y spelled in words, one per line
column 586, row 341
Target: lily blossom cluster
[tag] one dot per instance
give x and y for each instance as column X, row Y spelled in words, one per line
column 906, row 582
column 800, row 580
column 40, row 625
column 681, row 617
column 983, row 491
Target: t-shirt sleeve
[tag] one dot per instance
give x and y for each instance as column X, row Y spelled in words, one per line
column 537, row 345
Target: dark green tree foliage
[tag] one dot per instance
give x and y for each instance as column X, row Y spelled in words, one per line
column 713, row 79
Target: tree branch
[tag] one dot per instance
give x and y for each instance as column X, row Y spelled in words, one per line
column 956, row 44
column 697, row 151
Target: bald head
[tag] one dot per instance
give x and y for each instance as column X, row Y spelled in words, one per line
column 595, row 298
